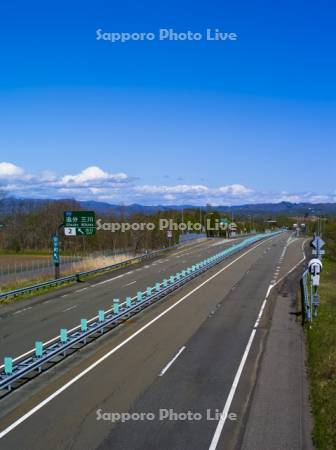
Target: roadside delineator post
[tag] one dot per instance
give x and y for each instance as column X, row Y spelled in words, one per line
column 8, row 362
column 39, row 352
column 116, row 306
column 64, row 337
column 83, row 324
column 38, row 349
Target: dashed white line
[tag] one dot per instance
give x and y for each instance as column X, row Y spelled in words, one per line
column 81, row 290
column 70, row 307
column 108, row 281
column 164, row 370
column 22, row 310
column 129, row 284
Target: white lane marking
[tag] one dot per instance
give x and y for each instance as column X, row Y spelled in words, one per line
column 224, row 241
column 65, row 295
column 81, row 290
column 129, row 284
column 70, row 307
column 164, row 370
column 227, row 406
column 40, row 405
column 229, row 399
column 269, row 290
column 234, row 385
column 22, row 310
column 296, row 265
column 108, row 281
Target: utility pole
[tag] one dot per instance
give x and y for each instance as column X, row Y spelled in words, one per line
column 182, row 219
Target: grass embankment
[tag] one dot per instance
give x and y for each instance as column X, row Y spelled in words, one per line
column 321, row 340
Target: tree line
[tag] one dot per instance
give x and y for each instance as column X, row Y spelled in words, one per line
column 28, row 225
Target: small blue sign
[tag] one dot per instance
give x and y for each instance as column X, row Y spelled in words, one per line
column 318, row 242
column 56, row 256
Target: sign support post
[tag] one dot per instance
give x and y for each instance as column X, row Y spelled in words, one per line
column 56, row 255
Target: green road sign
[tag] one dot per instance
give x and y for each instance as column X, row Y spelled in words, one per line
column 79, row 223
column 56, row 257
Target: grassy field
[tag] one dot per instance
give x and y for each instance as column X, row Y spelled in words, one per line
column 13, row 259
column 86, row 265
column 321, row 340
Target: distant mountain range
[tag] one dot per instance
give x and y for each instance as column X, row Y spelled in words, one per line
column 261, row 209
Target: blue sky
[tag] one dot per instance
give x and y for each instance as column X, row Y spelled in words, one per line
column 169, row 122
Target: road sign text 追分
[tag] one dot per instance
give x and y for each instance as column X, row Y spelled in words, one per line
column 79, row 223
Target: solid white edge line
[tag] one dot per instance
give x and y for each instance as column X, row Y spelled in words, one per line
column 226, row 409
column 122, row 344
column 164, row 370
column 229, row 399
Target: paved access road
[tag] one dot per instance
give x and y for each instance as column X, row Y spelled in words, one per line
column 198, row 350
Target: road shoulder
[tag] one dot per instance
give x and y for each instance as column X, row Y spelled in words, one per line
column 279, row 413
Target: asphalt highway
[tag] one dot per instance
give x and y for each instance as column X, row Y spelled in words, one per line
column 41, row 318
column 174, row 367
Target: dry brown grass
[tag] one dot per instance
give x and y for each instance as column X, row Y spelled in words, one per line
column 83, row 266
column 96, row 263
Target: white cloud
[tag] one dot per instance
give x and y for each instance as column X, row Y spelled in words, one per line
column 94, row 183
column 236, row 190
column 91, row 174
column 9, row 170
column 179, row 189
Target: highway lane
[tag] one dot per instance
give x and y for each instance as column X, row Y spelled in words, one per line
column 212, row 318
column 42, row 317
